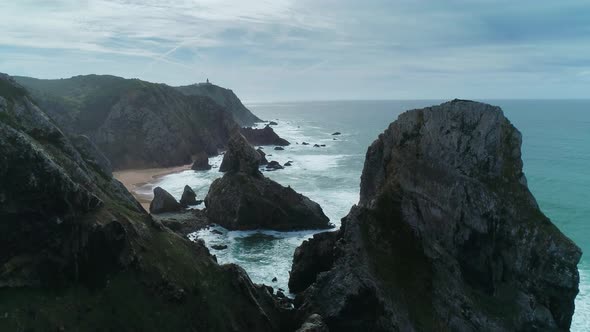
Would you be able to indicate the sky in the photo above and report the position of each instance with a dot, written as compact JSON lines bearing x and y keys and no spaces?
{"x":287,"y":50}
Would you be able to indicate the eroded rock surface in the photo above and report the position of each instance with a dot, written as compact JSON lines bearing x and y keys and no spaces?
{"x":446,"y":235}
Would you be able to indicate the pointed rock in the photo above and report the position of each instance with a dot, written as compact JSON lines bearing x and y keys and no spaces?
{"x":163,"y":202}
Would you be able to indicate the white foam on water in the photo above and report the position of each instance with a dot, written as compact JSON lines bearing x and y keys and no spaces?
{"x":264,"y":254}
{"x":581,"y":319}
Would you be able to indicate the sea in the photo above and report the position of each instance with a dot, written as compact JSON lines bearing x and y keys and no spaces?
{"x":556,"y":154}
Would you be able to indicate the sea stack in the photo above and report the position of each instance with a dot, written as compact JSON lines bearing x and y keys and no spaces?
{"x":164,"y":202}
{"x":244,"y":199}
{"x":446,"y":235}
{"x":264,"y":136}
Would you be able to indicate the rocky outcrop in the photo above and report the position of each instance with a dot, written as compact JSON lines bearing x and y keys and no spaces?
{"x":244,"y":199}
{"x":310,"y":258}
{"x":446,"y":235}
{"x":263,"y":160}
{"x":240,"y":156}
{"x":136,"y":124}
{"x":264,"y":136}
{"x":164,"y":202}
{"x":313,"y":323}
{"x":224,"y":97}
{"x":78,"y":253}
{"x":201,"y":162}
{"x":189,"y":197}
{"x":273,"y":165}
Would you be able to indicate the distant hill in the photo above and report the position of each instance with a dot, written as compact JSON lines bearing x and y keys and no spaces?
{"x":224,"y":97}
{"x":135,"y":123}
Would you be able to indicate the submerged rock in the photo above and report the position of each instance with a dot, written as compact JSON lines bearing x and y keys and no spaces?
{"x":279,"y":148}
{"x":201,"y":163}
{"x":264,"y":136}
{"x":164,"y":202}
{"x":244,"y":199}
{"x":446,"y":235}
{"x":219,"y":246}
{"x":272,"y":123}
{"x":336,"y":133}
{"x":189,"y":197}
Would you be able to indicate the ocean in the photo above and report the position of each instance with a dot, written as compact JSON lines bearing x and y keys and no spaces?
{"x":556,"y":154}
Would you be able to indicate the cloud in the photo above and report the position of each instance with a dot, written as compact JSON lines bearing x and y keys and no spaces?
{"x":287,"y":49}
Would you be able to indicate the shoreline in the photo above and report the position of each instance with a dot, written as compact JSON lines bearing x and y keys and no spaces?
{"x":132,"y":179}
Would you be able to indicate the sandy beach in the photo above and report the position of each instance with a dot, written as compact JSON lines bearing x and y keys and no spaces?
{"x":135,"y":178}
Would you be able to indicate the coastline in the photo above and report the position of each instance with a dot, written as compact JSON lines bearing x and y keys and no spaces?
{"x":132,"y":179}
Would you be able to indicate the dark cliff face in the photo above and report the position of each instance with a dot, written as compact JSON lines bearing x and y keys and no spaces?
{"x":446,"y":235}
{"x":135,"y":123}
{"x":224,"y":97}
{"x":77,"y":252}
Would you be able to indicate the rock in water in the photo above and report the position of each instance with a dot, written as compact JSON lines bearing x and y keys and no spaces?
{"x":240,"y":156}
{"x":189,"y":197}
{"x":263,"y":160}
{"x":265,"y":136}
{"x":164,"y":202}
{"x":244,"y":199}
{"x":273,"y":165}
{"x":446,"y":236}
{"x":201,"y":163}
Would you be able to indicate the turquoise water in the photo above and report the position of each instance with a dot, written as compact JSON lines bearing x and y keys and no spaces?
{"x":556,"y":153}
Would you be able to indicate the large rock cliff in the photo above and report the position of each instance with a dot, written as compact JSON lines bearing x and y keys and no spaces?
{"x":135,"y":123}
{"x":224,"y":97}
{"x":446,"y":235}
{"x":78,"y":253}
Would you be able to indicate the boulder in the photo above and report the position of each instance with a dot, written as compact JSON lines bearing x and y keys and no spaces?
{"x":219,"y":246}
{"x":336,"y":133}
{"x":201,"y":162}
{"x":279,"y":148}
{"x":189,"y":197}
{"x":264,"y":136}
{"x":164,"y":202}
{"x":304,"y":143}
{"x":272,"y":123}
{"x":289,"y":163}
{"x":446,"y":235}
{"x":240,"y":156}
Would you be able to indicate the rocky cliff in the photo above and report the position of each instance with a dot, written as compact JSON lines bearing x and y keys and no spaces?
{"x":224,"y":97}
{"x":446,"y":235}
{"x":135,"y":123}
{"x":78,"y":253}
